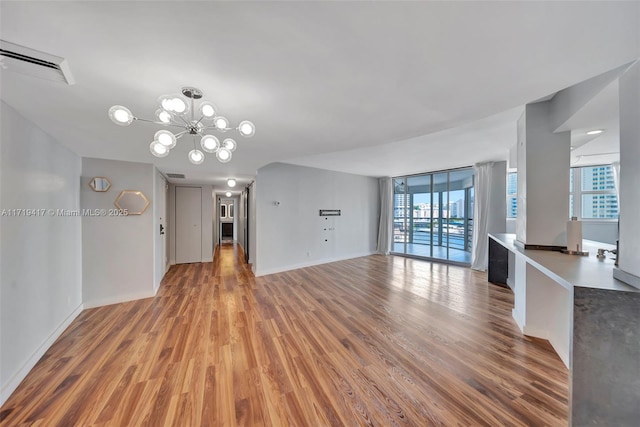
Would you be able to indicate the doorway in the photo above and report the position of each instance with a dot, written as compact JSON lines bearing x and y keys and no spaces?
{"x":227,"y":216}
{"x":188,"y":225}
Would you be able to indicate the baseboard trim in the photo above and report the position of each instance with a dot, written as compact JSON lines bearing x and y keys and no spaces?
{"x":628,"y":278}
{"x":119,"y":299}
{"x":310,"y":264}
{"x":518,"y":319}
{"x":14,"y":382}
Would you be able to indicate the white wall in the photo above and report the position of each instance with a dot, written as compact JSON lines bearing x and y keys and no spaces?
{"x":216,"y":220}
{"x":253,"y":188}
{"x":629,"y":257}
{"x":600,"y":231}
{"x":40,"y":256}
{"x":207,"y":222}
{"x":117,"y":251}
{"x":543,"y":179}
{"x":292,"y":234}
{"x":160,"y":248}
{"x":242,"y":217}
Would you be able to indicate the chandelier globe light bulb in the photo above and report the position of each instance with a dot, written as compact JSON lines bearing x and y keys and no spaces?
{"x":223,"y":155}
{"x":229,"y":144}
{"x":246,"y":128}
{"x":210,"y":143}
{"x":221,"y":123}
{"x":120,"y":115}
{"x":207,"y":110}
{"x":196,"y":157}
{"x":158,"y":150}
{"x":166,"y":138}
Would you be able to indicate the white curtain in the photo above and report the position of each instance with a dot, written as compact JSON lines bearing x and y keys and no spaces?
{"x":615,"y":166}
{"x":480,"y":251}
{"x":386,"y":213}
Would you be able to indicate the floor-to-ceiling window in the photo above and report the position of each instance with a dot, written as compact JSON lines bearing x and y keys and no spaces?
{"x":433,"y":215}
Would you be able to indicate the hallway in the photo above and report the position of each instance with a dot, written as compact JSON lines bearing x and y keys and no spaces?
{"x":379,"y":340}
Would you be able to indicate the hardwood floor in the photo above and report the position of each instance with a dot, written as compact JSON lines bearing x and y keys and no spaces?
{"x":369,"y":341}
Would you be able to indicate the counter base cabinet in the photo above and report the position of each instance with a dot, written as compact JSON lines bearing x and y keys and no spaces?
{"x":498,"y":268}
{"x":605,"y":374}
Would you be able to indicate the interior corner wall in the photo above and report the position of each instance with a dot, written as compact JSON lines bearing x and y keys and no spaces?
{"x":290,"y":232}
{"x":117,"y":251}
{"x":497,"y":222}
{"x":208,"y":202}
{"x":207,"y":223}
{"x":253,"y":188}
{"x":40,"y":250}
{"x":216,"y":220}
{"x":242,"y":219}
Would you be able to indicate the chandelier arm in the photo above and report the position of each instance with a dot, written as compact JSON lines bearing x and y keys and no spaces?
{"x":181,"y":134}
{"x":159,"y":123}
{"x":198,"y":122}
{"x":185,"y":121}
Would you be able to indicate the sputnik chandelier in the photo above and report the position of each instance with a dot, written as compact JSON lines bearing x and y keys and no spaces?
{"x":179,"y":111}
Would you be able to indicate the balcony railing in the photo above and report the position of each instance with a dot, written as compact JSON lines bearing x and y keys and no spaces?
{"x":425,"y":230}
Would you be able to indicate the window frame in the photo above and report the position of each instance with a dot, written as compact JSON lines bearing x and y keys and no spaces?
{"x":575,"y":194}
{"x":578,"y":192}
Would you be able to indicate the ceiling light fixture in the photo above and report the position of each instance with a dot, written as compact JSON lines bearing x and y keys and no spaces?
{"x":231,"y":182}
{"x":228,"y":193}
{"x":595,"y":132}
{"x":179,"y":111}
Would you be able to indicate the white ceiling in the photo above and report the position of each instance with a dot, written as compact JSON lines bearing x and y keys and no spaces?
{"x":374,"y":88}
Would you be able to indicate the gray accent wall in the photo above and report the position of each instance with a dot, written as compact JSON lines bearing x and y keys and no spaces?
{"x":291,"y":234}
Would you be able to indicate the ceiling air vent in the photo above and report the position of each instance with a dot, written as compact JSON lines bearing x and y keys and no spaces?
{"x":175,"y":175}
{"x":22,"y":60}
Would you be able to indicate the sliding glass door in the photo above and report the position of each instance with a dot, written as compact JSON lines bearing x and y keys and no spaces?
{"x":433,"y":215}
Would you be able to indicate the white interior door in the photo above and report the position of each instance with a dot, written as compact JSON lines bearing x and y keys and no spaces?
{"x":188,"y":225}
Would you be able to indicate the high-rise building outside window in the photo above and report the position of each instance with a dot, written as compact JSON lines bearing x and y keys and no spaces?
{"x":592,"y":193}
{"x":512,"y":194}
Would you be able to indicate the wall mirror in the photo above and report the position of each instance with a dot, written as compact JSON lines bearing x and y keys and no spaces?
{"x":231,"y":210}
{"x":223,"y":211}
{"x":134,"y":202}
{"x":100,"y":184}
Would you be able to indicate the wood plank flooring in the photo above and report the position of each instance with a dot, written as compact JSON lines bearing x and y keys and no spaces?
{"x":373,"y":341}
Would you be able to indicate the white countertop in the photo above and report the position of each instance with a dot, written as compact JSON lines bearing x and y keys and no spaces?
{"x":571,"y":270}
